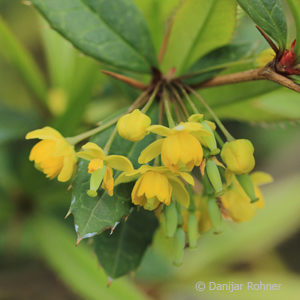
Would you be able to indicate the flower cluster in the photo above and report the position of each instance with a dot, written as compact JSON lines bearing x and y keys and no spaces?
{"x":188,"y":175}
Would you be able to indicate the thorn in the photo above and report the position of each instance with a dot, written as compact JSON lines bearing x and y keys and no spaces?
{"x":126,"y":218}
{"x":68,"y":214}
{"x":70,"y":187}
{"x":109,"y":281}
{"x":79,"y":239}
{"x":130,"y":81}
{"x":114,"y":227}
{"x":269,"y":41}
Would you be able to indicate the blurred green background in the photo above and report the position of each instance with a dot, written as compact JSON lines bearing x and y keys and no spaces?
{"x":52,"y":83}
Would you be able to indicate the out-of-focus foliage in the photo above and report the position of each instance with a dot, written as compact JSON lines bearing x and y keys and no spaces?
{"x":43,"y":79}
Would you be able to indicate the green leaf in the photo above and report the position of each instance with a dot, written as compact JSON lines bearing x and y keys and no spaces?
{"x":199,"y":26}
{"x":268,"y":15}
{"x":122,"y":250}
{"x":15,"y":124}
{"x":295,"y":8}
{"x":279,"y":105}
{"x":93,"y":215}
{"x":157,"y":14}
{"x":13,"y":50}
{"x":216,"y":61}
{"x":77,"y":267}
{"x":114,"y":32}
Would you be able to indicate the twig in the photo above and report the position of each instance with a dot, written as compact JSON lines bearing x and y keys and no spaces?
{"x":265,"y":73}
{"x":231,"y":78}
{"x":269,"y":74}
{"x":130,"y":81}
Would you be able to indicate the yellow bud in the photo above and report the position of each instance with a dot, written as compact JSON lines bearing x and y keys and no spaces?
{"x":238,"y":156}
{"x":265,"y":57}
{"x":133,"y":126}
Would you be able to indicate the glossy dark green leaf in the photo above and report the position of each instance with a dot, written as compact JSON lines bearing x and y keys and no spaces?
{"x":122,"y":250}
{"x":93,"y":215}
{"x":216,"y":61}
{"x":269,"y":15}
{"x":114,"y":32}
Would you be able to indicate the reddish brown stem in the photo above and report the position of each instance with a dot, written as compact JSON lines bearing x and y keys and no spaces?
{"x":130,"y":81}
{"x":250,"y":75}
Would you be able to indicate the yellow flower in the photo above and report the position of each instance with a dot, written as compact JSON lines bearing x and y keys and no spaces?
{"x":238,"y":156}
{"x":101,"y":166}
{"x":265,"y":57}
{"x":180,"y":149}
{"x":157,"y":185}
{"x":133,"y":126}
{"x":54,"y":156}
{"x":238,"y":204}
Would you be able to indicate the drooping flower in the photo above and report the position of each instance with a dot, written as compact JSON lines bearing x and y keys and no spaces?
{"x":236,"y":202}
{"x":238,"y":156}
{"x":133,"y":126}
{"x":100,"y":167}
{"x":157,"y":185}
{"x":54,"y":155}
{"x":180,"y":148}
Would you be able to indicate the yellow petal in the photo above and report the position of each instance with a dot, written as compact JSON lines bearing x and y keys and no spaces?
{"x":67,"y":170}
{"x":260,"y":178}
{"x":187,"y":177}
{"x":160,"y":130}
{"x":119,"y":162}
{"x":193,"y":127}
{"x":44,"y":133}
{"x":180,"y":193}
{"x":196,"y":118}
{"x":127,"y":177}
{"x":150,"y":152}
{"x":108,"y":181}
{"x":93,"y":150}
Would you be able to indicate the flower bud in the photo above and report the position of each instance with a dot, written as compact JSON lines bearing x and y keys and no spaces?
{"x":248,"y":187}
{"x":238,"y":156}
{"x":179,"y":244}
{"x":214,"y":214}
{"x":171,"y":219}
{"x":210,"y":141}
{"x":192,"y":231}
{"x":214,"y":176}
{"x":133,"y":126}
